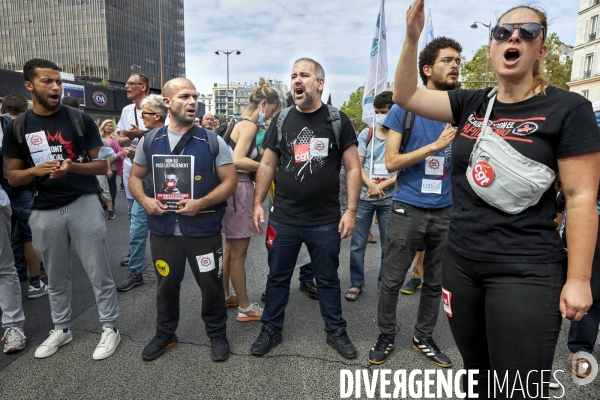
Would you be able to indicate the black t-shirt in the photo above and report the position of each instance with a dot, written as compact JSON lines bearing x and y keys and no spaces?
{"x":308,"y":181}
{"x":544,"y":128}
{"x":64,"y":143}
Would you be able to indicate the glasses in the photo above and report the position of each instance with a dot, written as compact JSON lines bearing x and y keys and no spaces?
{"x":527,"y":31}
{"x":147,"y":113}
{"x":133,"y":83}
{"x":449,"y":61}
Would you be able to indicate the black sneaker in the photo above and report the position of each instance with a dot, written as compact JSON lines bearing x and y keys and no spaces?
{"x":220,"y":348}
{"x":125,"y":261}
{"x":158,"y":345}
{"x":111,"y":215}
{"x":340,"y":341}
{"x":382,"y":349}
{"x":310,"y":289}
{"x":267,"y":339}
{"x":411,"y":285}
{"x":132,"y":280}
{"x":428,"y":347}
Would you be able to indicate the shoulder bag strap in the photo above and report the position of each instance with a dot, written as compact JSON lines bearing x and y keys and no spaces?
{"x":184,"y":140}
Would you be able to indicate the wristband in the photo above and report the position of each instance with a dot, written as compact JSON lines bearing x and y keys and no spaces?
{"x":349,"y":209}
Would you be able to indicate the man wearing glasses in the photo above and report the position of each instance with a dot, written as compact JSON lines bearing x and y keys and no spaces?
{"x":421,"y":200}
{"x":131,"y":128}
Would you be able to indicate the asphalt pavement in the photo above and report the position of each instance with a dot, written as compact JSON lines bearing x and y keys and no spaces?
{"x":303,"y":366}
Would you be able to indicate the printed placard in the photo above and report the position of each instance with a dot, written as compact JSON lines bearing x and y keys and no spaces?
{"x":206,"y":262}
{"x":431,"y":186}
{"x":380,"y":170}
{"x":319,"y":147}
{"x":41,"y":157}
{"x":434,"y":166}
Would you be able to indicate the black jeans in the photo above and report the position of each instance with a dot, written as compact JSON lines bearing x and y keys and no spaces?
{"x":583,"y":334}
{"x":406,"y":232}
{"x":169,"y":254}
{"x":112,"y":186}
{"x":505,"y":318}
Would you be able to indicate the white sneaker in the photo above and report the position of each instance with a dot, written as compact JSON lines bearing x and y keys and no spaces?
{"x":108,"y":343}
{"x":50,"y":346}
{"x":14,"y":340}
{"x":34,"y":293}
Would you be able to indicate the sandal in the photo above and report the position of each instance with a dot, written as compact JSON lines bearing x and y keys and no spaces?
{"x":353,"y":294}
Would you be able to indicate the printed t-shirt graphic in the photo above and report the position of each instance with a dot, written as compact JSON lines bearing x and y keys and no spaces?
{"x":309,"y":154}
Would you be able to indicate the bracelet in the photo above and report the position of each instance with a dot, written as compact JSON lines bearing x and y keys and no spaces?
{"x":349,"y":209}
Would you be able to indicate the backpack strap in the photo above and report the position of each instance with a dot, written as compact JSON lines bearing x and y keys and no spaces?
{"x":213,"y":146}
{"x":334,"y":117}
{"x":280,"y":121}
{"x":18,"y":131}
{"x":369,"y":136}
{"x":149,"y":139}
{"x":409,"y":119}
{"x":76,"y":118}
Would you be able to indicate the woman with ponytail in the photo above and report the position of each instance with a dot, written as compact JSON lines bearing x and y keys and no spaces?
{"x":237,"y":222}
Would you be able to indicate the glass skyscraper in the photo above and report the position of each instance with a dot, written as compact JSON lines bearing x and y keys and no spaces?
{"x":107,"y":39}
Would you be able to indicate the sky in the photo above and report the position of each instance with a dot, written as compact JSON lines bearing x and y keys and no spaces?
{"x":272,"y":34}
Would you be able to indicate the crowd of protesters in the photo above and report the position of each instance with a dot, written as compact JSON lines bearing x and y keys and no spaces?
{"x":440,"y":209}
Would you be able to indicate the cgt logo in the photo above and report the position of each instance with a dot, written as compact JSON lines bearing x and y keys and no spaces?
{"x":99,"y":99}
{"x":483,"y":174}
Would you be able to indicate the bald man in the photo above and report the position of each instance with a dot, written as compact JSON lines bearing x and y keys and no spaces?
{"x":193,"y":231}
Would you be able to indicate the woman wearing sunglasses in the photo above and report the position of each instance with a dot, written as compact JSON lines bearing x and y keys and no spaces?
{"x":505,"y":277}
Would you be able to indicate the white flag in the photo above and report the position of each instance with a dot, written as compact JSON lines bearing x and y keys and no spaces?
{"x":428,"y":35}
{"x":378,"y":68}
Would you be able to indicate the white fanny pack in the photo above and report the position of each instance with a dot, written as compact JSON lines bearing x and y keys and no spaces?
{"x":503,"y":177}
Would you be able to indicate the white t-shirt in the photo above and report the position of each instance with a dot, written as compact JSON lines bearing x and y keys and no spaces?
{"x":127,"y":118}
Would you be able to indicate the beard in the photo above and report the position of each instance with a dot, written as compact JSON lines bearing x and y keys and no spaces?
{"x":441,"y":84}
{"x":44,"y":103}
{"x":182,"y":118}
{"x":309,"y":97}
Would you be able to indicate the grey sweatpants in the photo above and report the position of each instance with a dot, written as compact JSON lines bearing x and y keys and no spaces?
{"x":10,"y":287}
{"x":81,"y":222}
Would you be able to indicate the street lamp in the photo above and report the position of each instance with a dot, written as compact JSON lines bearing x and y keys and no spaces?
{"x":228,"y":52}
{"x":487,"y":60}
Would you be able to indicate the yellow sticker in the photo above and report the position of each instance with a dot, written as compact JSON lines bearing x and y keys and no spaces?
{"x":162,"y":267}
{"x":197,"y":177}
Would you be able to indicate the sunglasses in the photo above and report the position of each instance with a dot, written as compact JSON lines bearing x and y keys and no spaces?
{"x":527,"y":30}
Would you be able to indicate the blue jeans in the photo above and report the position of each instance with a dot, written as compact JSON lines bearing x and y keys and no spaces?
{"x":138,"y":232}
{"x":283,"y":244}
{"x":358,"y":244}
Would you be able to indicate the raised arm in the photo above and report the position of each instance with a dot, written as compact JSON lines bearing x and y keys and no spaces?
{"x":430,"y":104}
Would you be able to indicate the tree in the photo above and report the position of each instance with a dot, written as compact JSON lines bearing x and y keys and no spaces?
{"x":353,"y":108}
{"x":557,"y":73}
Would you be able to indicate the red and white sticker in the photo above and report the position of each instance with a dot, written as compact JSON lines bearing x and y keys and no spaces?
{"x":447,"y":297}
{"x":483,"y":174}
{"x":301,"y":153}
{"x":206,"y":262}
{"x":270,"y":236}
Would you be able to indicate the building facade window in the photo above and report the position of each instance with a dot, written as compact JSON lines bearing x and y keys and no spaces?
{"x":587,"y":67}
{"x":585,"y":93}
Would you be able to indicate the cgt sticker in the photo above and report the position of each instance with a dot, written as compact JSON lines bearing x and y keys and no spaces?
{"x":483,"y":174}
{"x":162,"y":267}
{"x":270,"y":236}
{"x":447,"y":297}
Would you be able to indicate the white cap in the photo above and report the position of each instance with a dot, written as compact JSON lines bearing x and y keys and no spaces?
{"x":596,"y":106}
